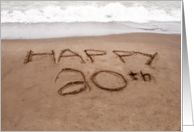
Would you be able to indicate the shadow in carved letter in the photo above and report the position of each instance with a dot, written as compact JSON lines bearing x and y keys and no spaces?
{"x":146,"y":76}
{"x":84,"y":83}
{"x":122,"y":54}
{"x":118,"y":75}
{"x":73,"y":55}
{"x":133,"y":75}
{"x":30,"y":54}
{"x":94,"y":53}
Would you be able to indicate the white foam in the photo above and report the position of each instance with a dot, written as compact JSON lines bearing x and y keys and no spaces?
{"x":91,"y":13}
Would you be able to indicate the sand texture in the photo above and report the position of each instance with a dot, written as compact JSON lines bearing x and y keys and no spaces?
{"x":127,"y":82}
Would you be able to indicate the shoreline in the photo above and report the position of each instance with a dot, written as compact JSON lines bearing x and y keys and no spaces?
{"x":59,"y":30}
{"x":74,"y":37}
{"x":129,"y":82}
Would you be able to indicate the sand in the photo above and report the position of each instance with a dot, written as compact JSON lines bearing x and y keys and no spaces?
{"x":126,"y":82}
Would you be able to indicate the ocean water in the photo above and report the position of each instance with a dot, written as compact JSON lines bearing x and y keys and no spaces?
{"x":52,"y":19}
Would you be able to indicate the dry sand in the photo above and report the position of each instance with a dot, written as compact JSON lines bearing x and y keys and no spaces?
{"x":31,"y":99}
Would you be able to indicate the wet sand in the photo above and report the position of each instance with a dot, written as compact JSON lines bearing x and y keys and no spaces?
{"x":127,"y":82}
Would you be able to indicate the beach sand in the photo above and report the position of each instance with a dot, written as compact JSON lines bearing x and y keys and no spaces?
{"x":110,"y":91}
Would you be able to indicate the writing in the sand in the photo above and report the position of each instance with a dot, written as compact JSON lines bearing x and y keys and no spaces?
{"x":118,"y":85}
{"x":119,"y":77}
{"x":90,"y":53}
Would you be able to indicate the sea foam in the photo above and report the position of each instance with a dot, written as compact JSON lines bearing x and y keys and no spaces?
{"x":117,"y":11}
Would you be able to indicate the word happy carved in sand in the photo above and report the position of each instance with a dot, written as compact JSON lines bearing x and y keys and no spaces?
{"x":90,"y":53}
